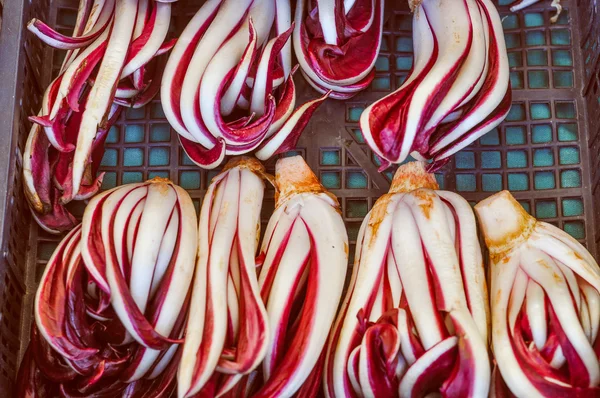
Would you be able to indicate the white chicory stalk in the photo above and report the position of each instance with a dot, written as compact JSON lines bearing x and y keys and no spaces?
{"x":458,"y":88}
{"x":113,"y":298}
{"x":337,"y":43}
{"x":545,"y":304}
{"x":105,"y":68}
{"x":227,"y":88}
{"x":227,"y":331}
{"x":305,"y":256}
{"x":415,"y":318}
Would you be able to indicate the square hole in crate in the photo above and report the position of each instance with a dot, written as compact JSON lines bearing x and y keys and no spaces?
{"x":560,"y":37}
{"x":381,"y":83}
{"x":543,"y":157}
{"x":491,"y":182}
{"x":159,"y":156}
{"x":404,"y":44}
{"x":491,"y":160}
{"x":515,"y":135}
{"x":113,"y":135}
{"x":518,"y":182}
{"x":160,"y":132}
{"x":110,"y":157}
{"x":541,"y":133}
{"x":515,"y":59}
{"x":565,"y":110}
{"x":533,"y":19}
{"x":510,"y":22}
{"x":567,"y":132}
{"x":546,"y":209}
{"x":544,"y":180}
{"x":134,"y":133}
{"x":129,"y":177}
{"x":568,"y":155}
{"x":466,"y":183}
{"x":356,"y":180}
{"x":537,"y":58}
{"x":189,"y":179}
{"x":382,"y":64}
{"x":440,"y":180}
{"x":570,"y":179}
{"x":572,"y":207}
{"x":330,"y":157}
{"x":404,"y":62}
{"x":356,"y":208}
{"x":134,"y":114}
{"x":358,"y":136}
{"x":540,"y":110}
{"x":575,"y":228}
{"x":156,"y":111}
{"x":562,"y":58}
{"x":354,"y":113}
{"x":562,"y":78}
{"x":516,"y":80}
{"x":516,"y":113}
{"x":535,"y":38}
{"x":491,"y":138}
{"x":133,"y":157}
{"x":538,"y":79}
{"x":464,"y":160}
{"x":109,"y":180}
{"x":513,"y":40}
{"x":331,"y":179}
{"x":516,"y":159}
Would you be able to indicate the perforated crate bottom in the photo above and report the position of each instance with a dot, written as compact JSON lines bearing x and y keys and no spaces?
{"x":540,"y":152}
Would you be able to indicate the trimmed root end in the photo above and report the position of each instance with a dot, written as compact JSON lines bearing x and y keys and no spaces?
{"x":247,"y":162}
{"x":158,"y":180}
{"x":414,"y":4}
{"x":412,"y":176}
{"x":35,"y":202}
{"x":250,"y":163}
{"x":294,"y":176}
{"x":504,"y":222}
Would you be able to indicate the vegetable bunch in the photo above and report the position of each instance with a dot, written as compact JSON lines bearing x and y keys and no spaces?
{"x":111,"y":306}
{"x":337,"y":43}
{"x":545,"y":300}
{"x":105,"y":66}
{"x":415,"y":318}
{"x":227,"y":88}
{"x":458,"y":88}
{"x":227,"y":331}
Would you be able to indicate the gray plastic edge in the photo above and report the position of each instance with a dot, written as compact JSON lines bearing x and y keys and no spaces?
{"x":11,"y":76}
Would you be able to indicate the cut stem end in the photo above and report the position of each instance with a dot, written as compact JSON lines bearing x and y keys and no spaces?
{"x":412,"y":176}
{"x":504,"y":222}
{"x":294,"y":176}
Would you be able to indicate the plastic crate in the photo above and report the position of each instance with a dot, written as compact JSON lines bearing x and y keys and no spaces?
{"x":546,"y":152}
